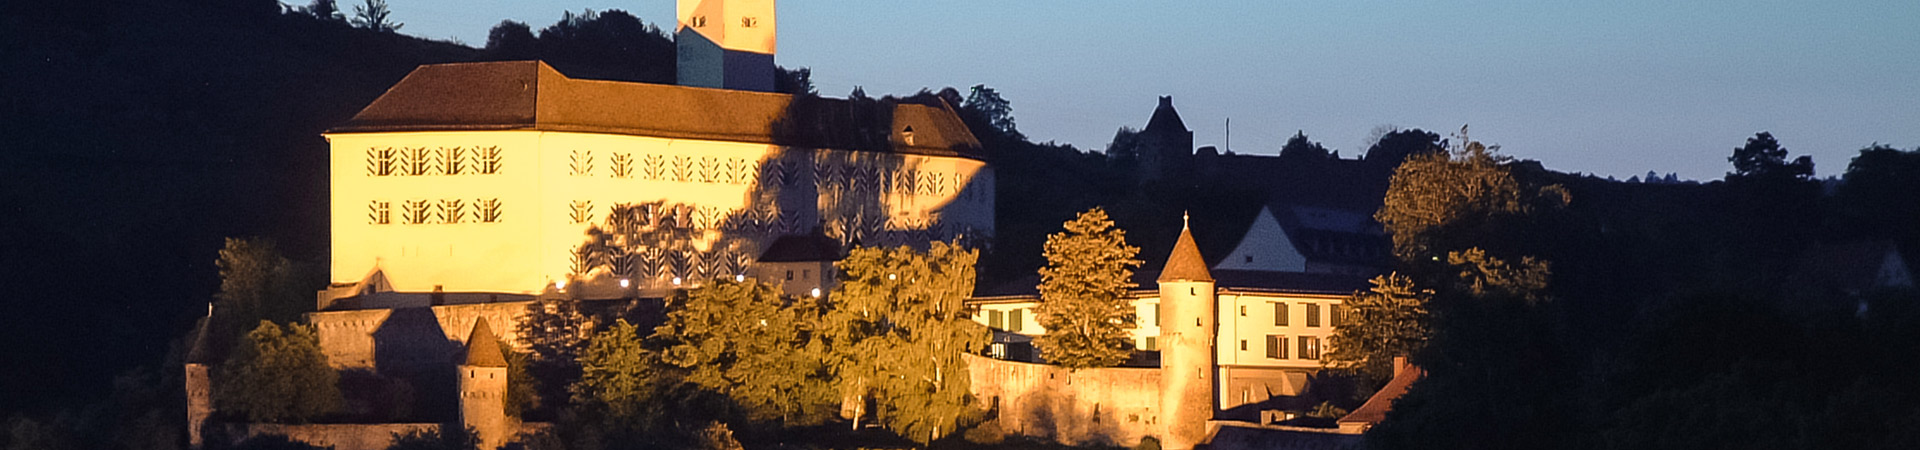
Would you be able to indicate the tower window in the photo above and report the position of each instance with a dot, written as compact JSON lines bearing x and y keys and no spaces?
{"x":789,"y":275}
{"x":698,"y":21}
{"x":1243,"y":345}
{"x":749,"y":22}
{"x":1243,"y":310}
{"x":1249,"y":258}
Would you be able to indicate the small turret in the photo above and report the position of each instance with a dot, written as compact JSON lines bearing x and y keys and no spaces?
{"x":199,"y":388}
{"x":483,"y":388}
{"x":1186,"y":349}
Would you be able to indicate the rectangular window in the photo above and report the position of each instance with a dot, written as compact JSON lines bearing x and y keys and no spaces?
{"x":1279,"y":314}
{"x":1313,"y":314}
{"x":1153,"y":343}
{"x":1243,"y":345}
{"x":996,"y":319}
{"x":1015,"y":319}
{"x":1243,"y":310}
{"x":1156,"y":313}
{"x":1276,"y":346}
{"x":1336,"y":315}
{"x":1309,"y":347}
{"x":789,"y":275}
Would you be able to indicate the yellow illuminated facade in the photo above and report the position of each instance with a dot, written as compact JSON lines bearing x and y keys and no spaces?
{"x":436,"y":198}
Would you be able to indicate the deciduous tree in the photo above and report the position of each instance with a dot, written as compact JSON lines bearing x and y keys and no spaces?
{"x":897,"y":329}
{"x":1388,"y":320}
{"x":373,"y":15}
{"x":1083,"y":289}
{"x":278,"y":375}
{"x":743,"y":341}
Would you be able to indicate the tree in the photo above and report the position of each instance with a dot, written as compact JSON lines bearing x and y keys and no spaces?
{"x":742,"y":340}
{"x":619,"y":378}
{"x":512,"y":40}
{"x":443,"y":438}
{"x":257,"y":283}
{"x":897,"y":328}
{"x":1442,"y":202}
{"x":373,"y":14}
{"x":610,"y":45}
{"x":1389,"y":320}
{"x":1764,"y":158}
{"x":793,"y":81}
{"x":325,"y":10}
{"x":1300,"y":148}
{"x":1395,"y":146}
{"x":1083,"y":292}
{"x":991,"y":110}
{"x":278,"y":375}
{"x":556,"y":333}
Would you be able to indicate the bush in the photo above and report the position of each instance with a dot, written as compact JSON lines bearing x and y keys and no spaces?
{"x":1147,"y":443}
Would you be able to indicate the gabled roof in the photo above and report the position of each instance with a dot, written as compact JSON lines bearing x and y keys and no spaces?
{"x":483,"y":349}
{"x":813,"y":246}
{"x":530,"y":95}
{"x":1185,"y":264}
{"x":1165,"y":118}
{"x":1335,"y":234}
{"x":1376,"y":407}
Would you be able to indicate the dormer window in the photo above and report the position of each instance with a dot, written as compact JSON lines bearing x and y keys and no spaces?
{"x":749,"y":22}
{"x":906,"y":135}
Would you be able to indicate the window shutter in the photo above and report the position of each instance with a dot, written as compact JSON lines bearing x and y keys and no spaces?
{"x":1279,"y":314}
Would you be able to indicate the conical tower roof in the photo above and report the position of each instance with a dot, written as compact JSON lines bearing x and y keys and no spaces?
{"x":1185,"y":264}
{"x":198,"y":350}
{"x":483,"y":350}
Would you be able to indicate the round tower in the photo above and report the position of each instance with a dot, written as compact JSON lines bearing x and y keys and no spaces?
{"x":198,"y":387}
{"x":1186,"y":345}
{"x":483,"y":388}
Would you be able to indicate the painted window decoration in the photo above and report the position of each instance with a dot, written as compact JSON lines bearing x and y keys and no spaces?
{"x":486,"y":210}
{"x":487,"y":160}
{"x":381,"y":161}
{"x":580,"y":211}
{"x":580,"y":163}
{"x":419,"y":161}
{"x":621,"y":165}
{"x":379,"y":212}
{"x":416,"y":211}
{"x":452,"y":210}
{"x":442,"y":211}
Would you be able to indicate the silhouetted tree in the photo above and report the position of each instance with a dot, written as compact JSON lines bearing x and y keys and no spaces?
{"x":512,"y":40}
{"x":374,"y":15}
{"x":325,"y":10}
{"x":1764,"y":158}
{"x":1083,"y":291}
{"x":991,"y":110}
{"x":793,"y":81}
{"x":1300,"y":148}
{"x":610,"y":45}
{"x":1395,"y":146}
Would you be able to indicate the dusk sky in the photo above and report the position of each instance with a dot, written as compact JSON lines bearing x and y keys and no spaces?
{"x":1614,"y":88}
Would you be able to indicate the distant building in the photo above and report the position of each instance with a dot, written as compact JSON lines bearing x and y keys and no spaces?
{"x":1261,"y":330}
{"x":1163,"y":150}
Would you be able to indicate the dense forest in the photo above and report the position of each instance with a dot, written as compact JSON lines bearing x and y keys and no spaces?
{"x":142,"y":134}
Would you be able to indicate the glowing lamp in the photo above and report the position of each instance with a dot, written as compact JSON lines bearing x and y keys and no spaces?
{"x":815,"y":293}
{"x":676,"y":281}
{"x":625,"y":283}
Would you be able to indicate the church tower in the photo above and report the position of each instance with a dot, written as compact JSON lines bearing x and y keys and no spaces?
{"x":483,"y":388}
{"x":1186,"y":345}
{"x":726,"y":44}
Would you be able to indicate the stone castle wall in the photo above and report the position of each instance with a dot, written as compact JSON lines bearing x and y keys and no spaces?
{"x":1112,"y":406}
{"x":371,"y":436}
{"x":409,"y":339}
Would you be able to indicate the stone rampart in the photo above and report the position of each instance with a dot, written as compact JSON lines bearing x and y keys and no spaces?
{"x":1112,"y":406}
{"x":364,"y":436}
{"x":408,"y":339}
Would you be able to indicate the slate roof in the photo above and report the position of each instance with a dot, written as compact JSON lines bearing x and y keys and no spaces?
{"x":1165,"y":118}
{"x":1185,"y":264}
{"x":530,"y":95}
{"x":1338,"y":235}
{"x":483,"y":349}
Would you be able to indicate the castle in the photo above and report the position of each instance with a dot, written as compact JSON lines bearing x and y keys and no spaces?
{"x":467,"y":191}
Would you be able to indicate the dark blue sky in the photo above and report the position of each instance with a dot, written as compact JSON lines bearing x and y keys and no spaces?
{"x":1610,"y":87}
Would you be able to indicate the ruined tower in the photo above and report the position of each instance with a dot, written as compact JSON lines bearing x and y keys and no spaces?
{"x":726,"y":44}
{"x":483,"y":388}
{"x":1186,"y":346}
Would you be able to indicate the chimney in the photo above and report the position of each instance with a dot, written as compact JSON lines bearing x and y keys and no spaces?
{"x":1166,"y":101}
{"x":1399,"y":365}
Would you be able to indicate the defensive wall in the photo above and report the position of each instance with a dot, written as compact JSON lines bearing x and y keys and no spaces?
{"x":409,"y":339}
{"x":371,"y":436}
{"x":1111,"y":406}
